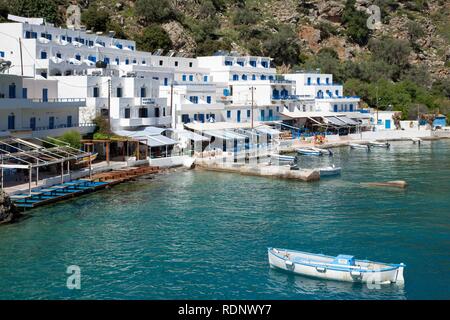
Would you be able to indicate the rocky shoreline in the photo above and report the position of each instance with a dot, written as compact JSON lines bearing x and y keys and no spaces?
{"x":8,"y":211}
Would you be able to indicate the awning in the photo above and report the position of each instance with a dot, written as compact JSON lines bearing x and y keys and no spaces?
{"x":191,"y":135}
{"x":224,"y":135}
{"x":159,"y":141}
{"x":335,"y":121}
{"x":348,"y":121}
{"x":268,"y":130}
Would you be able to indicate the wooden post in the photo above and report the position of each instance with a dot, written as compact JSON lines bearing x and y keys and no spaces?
{"x":29,"y":180}
{"x":68,"y":170}
{"x":62,"y":172}
{"x":107,"y":152}
{"x":1,"y":185}
{"x":138,"y":156}
{"x":37,"y":174}
{"x":90,"y":167}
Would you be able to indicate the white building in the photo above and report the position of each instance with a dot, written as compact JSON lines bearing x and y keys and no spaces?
{"x":247,"y":81}
{"x":328,"y":96}
{"x":31,"y":107}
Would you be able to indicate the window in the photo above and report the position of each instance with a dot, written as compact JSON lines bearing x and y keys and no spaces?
{"x":226,"y":92}
{"x":117,"y":61}
{"x":205,"y":78}
{"x":208,"y":99}
{"x":69,"y":121}
{"x":78,"y":57}
{"x":127,"y":61}
{"x":92,"y":58}
{"x":2,"y":54}
{"x":265,"y":64}
{"x":176,"y":63}
{"x":308,"y":82}
{"x":119,"y":45}
{"x":119,"y":92}
{"x":351,"y":107}
{"x":143,"y":62}
{"x":270,"y":77}
{"x":143,"y":92}
{"x":183,"y":77}
{"x":244,"y":77}
{"x":318,"y":80}
{"x":190,"y":64}
{"x":143,"y":113}
{"x":157,"y":112}
{"x":253,"y":77}
{"x":166,"y":81}
{"x":248,"y":113}
{"x":127,"y":114}
{"x":106,"y":60}
{"x":27,"y":34}
{"x":335,"y":108}
{"x":235,"y":77}
{"x":193,"y":99}
{"x":263,"y":77}
{"x":327,"y":80}
{"x":12,"y":91}
{"x":241,"y":63}
{"x":91,"y":43}
{"x":24,"y":93}
{"x":96,"y":92}
{"x":253,"y":63}
{"x":191,"y":77}
{"x":134,"y":61}
{"x":33,"y":123}
{"x":337,"y":93}
{"x":43,"y":55}
{"x":185,"y":118}
{"x":164,"y":112}
{"x":228,"y":114}
{"x":69,"y":39}
{"x":228,"y":62}
{"x":161,"y":62}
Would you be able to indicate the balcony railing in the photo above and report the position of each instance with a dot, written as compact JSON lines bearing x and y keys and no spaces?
{"x":288,"y":97}
{"x":59,"y":100}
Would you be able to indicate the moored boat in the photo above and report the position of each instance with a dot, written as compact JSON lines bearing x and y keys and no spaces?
{"x":380,"y":144}
{"x":87,"y":159}
{"x":359,"y":146}
{"x":282,"y":158}
{"x":307,"y":151}
{"x":330,"y":171}
{"x":340,"y":268}
{"x":323,"y":151}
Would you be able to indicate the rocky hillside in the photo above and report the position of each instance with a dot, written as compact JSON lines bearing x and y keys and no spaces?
{"x":410,"y":44}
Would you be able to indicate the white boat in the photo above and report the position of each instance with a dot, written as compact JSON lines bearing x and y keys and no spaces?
{"x":323,"y":151}
{"x":380,"y":144}
{"x":341,"y":268}
{"x":330,"y":171}
{"x":308,"y":151}
{"x":359,"y":146}
{"x":282,"y":158}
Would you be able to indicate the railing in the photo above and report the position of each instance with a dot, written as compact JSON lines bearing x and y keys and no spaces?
{"x":62,"y":126}
{"x":289,"y":97}
{"x":56,"y":100}
{"x":279,"y":81}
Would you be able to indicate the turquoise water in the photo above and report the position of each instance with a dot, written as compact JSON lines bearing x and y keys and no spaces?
{"x":203,"y":235}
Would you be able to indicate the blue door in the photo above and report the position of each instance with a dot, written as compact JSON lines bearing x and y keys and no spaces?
{"x":201,"y":117}
{"x":51,"y":122}
{"x":239,"y":116}
{"x":387,"y":124}
{"x":12,"y":91}
{"x":271,"y":115}
{"x":11,"y":122}
{"x":69,"y":121}
{"x":33,"y":123}
{"x":261,"y":115}
{"x":44,"y":95}
{"x":185,"y":118}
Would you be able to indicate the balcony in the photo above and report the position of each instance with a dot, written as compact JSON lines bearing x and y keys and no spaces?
{"x":136,"y":122}
{"x":285,"y":98}
{"x":41,"y":103}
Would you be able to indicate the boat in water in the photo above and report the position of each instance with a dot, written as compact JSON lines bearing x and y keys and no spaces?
{"x":282,"y":158}
{"x":375,"y":144}
{"x":340,"y":268}
{"x":309,"y":151}
{"x":359,"y":146}
{"x":330,"y":171}
{"x":87,"y":159}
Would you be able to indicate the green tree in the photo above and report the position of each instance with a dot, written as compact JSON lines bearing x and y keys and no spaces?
{"x":95,"y":19}
{"x":355,"y":23}
{"x":72,"y":137}
{"x":47,"y":9}
{"x":283,"y":47}
{"x":153,"y":37}
{"x":4,"y":11}
{"x":154,"y":10}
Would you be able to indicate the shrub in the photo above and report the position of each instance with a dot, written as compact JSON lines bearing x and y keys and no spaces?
{"x":95,"y":19}
{"x":355,"y":23}
{"x":46,"y":9}
{"x":154,"y":10}
{"x":283,"y":47}
{"x":72,"y":137}
{"x":153,"y":37}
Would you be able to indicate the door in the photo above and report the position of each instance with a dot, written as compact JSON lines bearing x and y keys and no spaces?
{"x":387,"y":124}
{"x":239,"y":116}
{"x":271,"y":115}
{"x":69,"y":121}
{"x":157,"y":112}
{"x":51,"y":122}
{"x":33,"y":123}
{"x":201,"y":117}
{"x":11,"y":122}
{"x":44,"y":95}
{"x":261,"y":115}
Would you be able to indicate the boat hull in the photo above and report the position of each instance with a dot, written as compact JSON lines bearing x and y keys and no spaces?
{"x":309,"y":152}
{"x":329,"y":172}
{"x":393,"y":275}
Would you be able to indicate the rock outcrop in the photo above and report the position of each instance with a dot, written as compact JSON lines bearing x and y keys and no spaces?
{"x":8,"y":211}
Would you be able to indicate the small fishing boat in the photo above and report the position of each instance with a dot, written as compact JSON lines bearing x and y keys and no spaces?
{"x":380,"y":144}
{"x":323,"y":151}
{"x":330,"y":171}
{"x":341,"y":268}
{"x":359,"y":146}
{"x":308,"y":151}
{"x":282,"y":158}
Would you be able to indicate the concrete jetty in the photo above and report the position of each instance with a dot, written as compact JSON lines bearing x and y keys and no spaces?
{"x":263,"y":170}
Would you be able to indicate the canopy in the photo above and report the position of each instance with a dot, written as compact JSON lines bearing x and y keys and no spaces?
{"x":151,"y":135}
{"x":191,"y":135}
{"x":267,"y":130}
{"x":159,"y":141}
{"x":225,"y":135}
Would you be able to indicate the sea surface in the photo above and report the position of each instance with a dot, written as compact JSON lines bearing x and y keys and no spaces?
{"x":204,"y":235}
